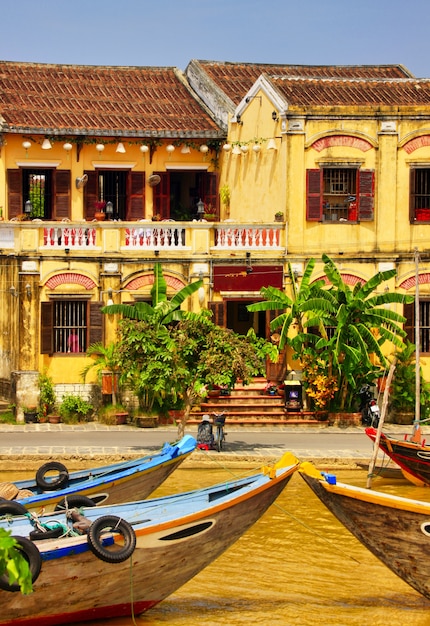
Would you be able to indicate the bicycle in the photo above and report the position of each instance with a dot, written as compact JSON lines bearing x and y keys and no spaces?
{"x":219,"y":421}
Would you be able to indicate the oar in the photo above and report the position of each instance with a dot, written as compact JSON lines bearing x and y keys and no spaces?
{"x":381,"y":423}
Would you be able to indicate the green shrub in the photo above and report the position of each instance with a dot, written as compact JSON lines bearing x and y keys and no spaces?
{"x":74,"y":409}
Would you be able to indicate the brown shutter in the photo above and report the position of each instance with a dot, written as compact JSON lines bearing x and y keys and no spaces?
{"x":46,"y":328}
{"x":219,"y":313}
{"x":14,"y":184}
{"x":136,"y":196}
{"x":412,"y":173}
{"x":366,"y":194}
{"x":95,"y":333}
{"x":314,"y":195}
{"x":161,"y":196}
{"x":409,"y":325}
{"x":61,"y":194}
{"x":90,"y":195}
{"x":208,"y":189}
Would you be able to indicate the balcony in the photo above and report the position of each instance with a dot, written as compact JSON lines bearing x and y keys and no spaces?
{"x":46,"y":238}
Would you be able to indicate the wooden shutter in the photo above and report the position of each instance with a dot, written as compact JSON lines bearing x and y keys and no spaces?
{"x":61,"y":194}
{"x":136,"y":196}
{"x":14,"y":185}
{"x":409,"y":325}
{"x":90,"y":195}
{"x":161,"y":196}
{"x":412,"y":178}
{"x":95,"y":326}
{"x":314,"y":195}
{"x":47,"y":328}
{"x":207,"y":184}
{"x":366,"y":195}
{"x":219,"y":313}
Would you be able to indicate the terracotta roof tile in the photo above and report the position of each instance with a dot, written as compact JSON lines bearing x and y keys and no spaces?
{"x":235,"y":79}
{"x":95,"y":100}
{"x":355,"y":92}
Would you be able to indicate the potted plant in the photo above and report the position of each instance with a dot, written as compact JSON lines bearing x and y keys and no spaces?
{"x":74,"y":409}
{"x":271,"y":388}
{"x":279,"y":216}
{"x":47,"y":397}
{"x":106,"y":364}
{"x":30,"y":414}
{"x":112,"y":415}
{"x":100,"y":214}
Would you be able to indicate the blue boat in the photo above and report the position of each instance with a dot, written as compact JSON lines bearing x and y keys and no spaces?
{"x":54,"y":487}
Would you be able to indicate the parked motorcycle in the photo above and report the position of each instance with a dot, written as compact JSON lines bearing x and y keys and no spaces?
{"x":369,"y":407}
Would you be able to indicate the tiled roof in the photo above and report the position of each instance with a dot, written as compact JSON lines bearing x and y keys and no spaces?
{"x":95,"y":100}
{"x":355,"y":92}
{"x":235,"y":79}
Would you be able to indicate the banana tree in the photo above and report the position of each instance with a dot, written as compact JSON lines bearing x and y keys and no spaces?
{"x":162,"y":310}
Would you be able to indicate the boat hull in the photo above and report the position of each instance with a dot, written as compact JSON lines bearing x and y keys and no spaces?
{"x":396,"y":530}
{"x":121,"y":482}
{"x":412,"y":457}
{"x":74,"y":585}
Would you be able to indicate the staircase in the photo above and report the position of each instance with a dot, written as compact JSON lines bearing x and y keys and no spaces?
{"x":249,"y":405}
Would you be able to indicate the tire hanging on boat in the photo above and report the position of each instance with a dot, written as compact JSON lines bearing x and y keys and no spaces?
{"x":32,"y":555}
{"x":113,"y":524}
{"x":11,"y":507}
{"x":71,"y":502}
{"x":59,"y":482}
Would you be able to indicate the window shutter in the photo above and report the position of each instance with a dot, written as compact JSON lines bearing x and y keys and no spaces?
{"x":412,"y":173}
{"x":15,"y":203}
{"x":314,"y":195}
{"x":366,"y":194}
{"x":95,"y":334}
{"x":136,"y":196}
{"x":47,"y":328}
{"x":208,"y":189}
{"x":218,"y":313}
{"x":90,"y":195}
{"x":409,"y":325}
{"x":62,"y":194}
{"x":161,"y":196}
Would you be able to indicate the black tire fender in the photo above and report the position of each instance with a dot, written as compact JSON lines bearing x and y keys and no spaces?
{"x":30,"y":552}
{"x":56,"y":483}
{"x":71,"y":502}
{"x":40,"y":535}
{"x":11,"y":507}
{"x":114,"y":553}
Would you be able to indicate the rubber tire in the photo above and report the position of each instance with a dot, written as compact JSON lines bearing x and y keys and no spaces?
{"x":74,"y":502}
{"x":30,"y":552}
{"x":11,"y":507}
{"x":117,"y":525}
{"x":40,"y":535}
{"x":52,"y":485}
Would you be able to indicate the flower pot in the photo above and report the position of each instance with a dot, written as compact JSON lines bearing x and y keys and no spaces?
{"x":54,"y":419}
{"x":100,"y":216}
{"x":121,"y":418}
{"x":30,"y":417}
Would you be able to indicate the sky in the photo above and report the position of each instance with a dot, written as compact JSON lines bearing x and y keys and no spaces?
{"x":172,"y":32}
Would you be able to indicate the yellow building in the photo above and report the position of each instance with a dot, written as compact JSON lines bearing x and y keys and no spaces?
{"x":225,"y":172}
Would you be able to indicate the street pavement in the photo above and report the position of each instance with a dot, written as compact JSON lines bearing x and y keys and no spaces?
{"x":331,"y":444}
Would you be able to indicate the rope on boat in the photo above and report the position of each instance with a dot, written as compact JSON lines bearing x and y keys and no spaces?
{"x":50,"y":525}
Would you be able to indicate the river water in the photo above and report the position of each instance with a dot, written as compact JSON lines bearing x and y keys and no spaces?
{"x":296,"y":567}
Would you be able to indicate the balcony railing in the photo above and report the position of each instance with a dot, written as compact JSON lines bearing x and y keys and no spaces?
{"x":203,"y":237}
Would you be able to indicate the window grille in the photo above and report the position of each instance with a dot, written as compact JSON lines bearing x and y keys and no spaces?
{"x":70,"y":317}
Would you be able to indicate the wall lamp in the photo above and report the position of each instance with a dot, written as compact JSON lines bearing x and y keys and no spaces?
{"x":248,"y":263}
{"x":13,"y":291}
{"x":200,"y":209}
{"x":275,"y":117}
{"x":239,"y":119}
{"x":110,"y":297}
{"x":109,"y":209}
{"x":28,"y":290}
{"x":28,"y":208}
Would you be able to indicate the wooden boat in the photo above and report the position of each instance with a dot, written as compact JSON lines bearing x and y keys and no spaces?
{"x":383,"y":471}
{"x":394,"y":529}
{"x":412,"y":456}
{"x":136,"y":554}
{"x":119,"y":482}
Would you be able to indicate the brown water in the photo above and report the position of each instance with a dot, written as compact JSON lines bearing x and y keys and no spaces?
{"x":296,"y":567}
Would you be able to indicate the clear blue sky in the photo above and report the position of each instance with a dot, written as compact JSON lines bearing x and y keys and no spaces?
{"x":172,"y":32}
